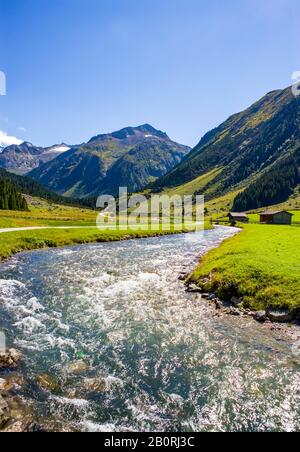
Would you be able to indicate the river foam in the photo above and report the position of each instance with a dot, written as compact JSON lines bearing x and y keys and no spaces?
{"x":144,"y":354}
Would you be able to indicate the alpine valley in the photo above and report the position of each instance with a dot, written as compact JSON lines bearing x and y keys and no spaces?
{"x":132,"y":157}
{"x":250,"y":161}
{"x":122,"y":335}
{"x":128,"y":306}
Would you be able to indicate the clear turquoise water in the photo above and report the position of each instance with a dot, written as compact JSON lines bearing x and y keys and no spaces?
{"x":166,"y":362}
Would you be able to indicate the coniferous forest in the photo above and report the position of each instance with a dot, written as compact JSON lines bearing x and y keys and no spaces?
{"x":10,"y":199}
{"x":272,"y":187}
{"x":25,"y":184}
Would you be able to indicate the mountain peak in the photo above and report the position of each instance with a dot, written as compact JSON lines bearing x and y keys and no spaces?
{"x":130,"y":133}
{"x":27,"y":144}
{"x":132,"y":157}
{"x":148,"y":129}
{"x":21,"y":146}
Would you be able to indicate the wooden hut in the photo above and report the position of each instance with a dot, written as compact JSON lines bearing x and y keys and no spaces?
{"x":238,"y":217}
{"x":276,"y":217}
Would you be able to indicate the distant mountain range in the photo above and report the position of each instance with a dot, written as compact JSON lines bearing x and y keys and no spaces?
{"x":251,"y":160}
{"x":23,"y":158}
{"x":254,"y":155}
{"x":131,"y":157}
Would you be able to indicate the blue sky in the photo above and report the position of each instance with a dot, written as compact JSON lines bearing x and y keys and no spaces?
{"x":75,"y":68}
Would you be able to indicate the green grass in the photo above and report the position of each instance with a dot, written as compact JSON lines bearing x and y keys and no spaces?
{"x":296,"y":217}
{"x":43,"y":213}
{"x":260,"y":265}
{"x":223,"y":203}
{"x":15,"y":242}
{"x":195,"y":185}
{"x":255,"y":218}
{"x":10,"y":222}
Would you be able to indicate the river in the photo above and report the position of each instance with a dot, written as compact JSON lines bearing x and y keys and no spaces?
{"x":130,"y":350}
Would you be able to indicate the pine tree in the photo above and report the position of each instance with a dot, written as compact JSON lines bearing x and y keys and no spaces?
{"x":10,"y":199}
{"x":272,"y":187}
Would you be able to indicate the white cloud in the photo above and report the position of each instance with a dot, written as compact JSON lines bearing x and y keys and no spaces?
{"x":6,"y":140}
{"x":22,"y":129}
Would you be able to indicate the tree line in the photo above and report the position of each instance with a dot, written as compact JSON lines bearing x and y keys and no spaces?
{"x":10,"y":198}
{"x":25,"y":184}
{"x":273,"y":187}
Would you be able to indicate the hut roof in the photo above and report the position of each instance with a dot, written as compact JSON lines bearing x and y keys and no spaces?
{"x":238,"y":214}
{"x":270,"y":213}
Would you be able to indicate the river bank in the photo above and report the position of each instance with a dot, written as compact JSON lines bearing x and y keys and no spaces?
{"x":279,"y":322}
{"x":256,"y":270}
{"x":12,"y":243}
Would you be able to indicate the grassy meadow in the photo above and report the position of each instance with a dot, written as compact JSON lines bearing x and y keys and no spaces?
{"x":19,"y":241}
{"x":49,"y":215}
{"x":254,"y":217}
{"x":44,"y":213}
{"x":261,"y":265}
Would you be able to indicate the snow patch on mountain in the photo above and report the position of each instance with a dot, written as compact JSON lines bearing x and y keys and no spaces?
{"x":58,"y":149}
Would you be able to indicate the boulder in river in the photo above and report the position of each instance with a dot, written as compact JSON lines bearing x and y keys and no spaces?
{"x":280,"y":315}
{"x":260,"y":316}
{"x":4,"y":412}
{"x":193,"y":288}
{"x":15,"y":427}
{"x":13,"y":382}
{"x":46,"y":425}
{"x":236,"y":301}
{"x":78,"y":367}
{"x":219,"y":304}
{"x":2,"y":385}
{"x":9,"y":359}
{"x":234,"y":311}
{"x":98,"y":385}
{"x":47,"y":383}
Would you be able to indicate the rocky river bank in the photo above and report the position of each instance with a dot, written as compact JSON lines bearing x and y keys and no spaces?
{"x":284,"y":322}
{"x":15,"y":415}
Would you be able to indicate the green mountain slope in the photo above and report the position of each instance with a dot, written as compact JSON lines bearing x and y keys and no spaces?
{"x":274,"y":186}
{"x":144,"y":163}
{"x":26,"y":185}
{"x":131,"y":157}
{"x":243,"y":149}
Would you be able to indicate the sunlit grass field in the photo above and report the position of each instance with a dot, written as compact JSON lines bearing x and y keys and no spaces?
{"x":195,"y":185}
{"x":15,"y":242}
{"x":18,"y":241}
{"x":260,"y":265}
{"x":49,"y":215}
{"x":254,"y":217}
{"x":42,"y":213}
